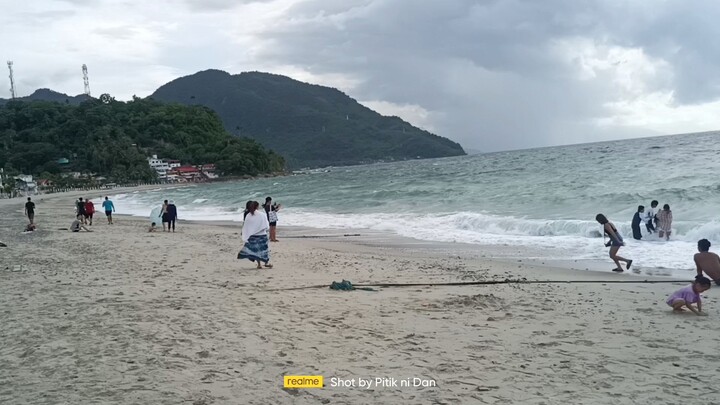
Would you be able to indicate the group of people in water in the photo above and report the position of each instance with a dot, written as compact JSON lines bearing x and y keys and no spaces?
{"x":660,"y":221}
{"x":707,"y":263}
{"x":257,"y":227}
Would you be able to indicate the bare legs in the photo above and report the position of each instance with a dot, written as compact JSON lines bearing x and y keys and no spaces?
{"x":273,"y":236}
{"x":617,"y":259}
{"x":678,"y":305}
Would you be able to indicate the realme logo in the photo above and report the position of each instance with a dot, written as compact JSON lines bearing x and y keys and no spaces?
{"x":303,"y":381}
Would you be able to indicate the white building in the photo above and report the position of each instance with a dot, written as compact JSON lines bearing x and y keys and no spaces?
{"x":25,"y":183}
{"x":160,"y":166}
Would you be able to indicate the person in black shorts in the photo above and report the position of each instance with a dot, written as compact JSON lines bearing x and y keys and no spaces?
{"x":109,"y":208}
{"x":271,"y":212}
{"x":30,"y":210}
{"x":80,"y":207}
{"x":616,"y":242}
{"x":165,"y":216}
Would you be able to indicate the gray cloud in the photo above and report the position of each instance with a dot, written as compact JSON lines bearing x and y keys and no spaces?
{"x":217,"y":5}
{"x":492,"y":67}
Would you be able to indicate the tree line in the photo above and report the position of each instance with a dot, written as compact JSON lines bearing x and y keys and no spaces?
{"x":112,"y":139}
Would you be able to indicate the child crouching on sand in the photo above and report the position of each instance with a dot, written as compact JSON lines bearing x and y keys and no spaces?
{"x":686,"y":296}
{"x":153,"y":227}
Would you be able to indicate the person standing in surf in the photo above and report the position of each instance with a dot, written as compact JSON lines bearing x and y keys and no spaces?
{"x":650,"y":217}
{"x":664,"y":222}
{"x":254,"y":236}
{"x":615,"y":243}
{"x":635,"y":225}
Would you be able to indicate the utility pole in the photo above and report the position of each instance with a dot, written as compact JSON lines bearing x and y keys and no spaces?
{"x":86,"y":81}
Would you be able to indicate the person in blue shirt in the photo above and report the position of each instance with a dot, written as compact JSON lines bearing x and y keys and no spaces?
{"x":109,"y":209}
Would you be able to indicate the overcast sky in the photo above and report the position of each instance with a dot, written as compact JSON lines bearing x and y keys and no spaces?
{"x":490,"y":74}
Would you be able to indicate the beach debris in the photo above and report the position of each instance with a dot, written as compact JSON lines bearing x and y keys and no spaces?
{"x":2,"y":244}
{"x":346,"y":285}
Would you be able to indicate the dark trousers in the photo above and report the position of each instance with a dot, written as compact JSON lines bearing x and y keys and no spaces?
{"x":650,"y":227}
{"x":171,"y":223}
{"x":636,"y":232}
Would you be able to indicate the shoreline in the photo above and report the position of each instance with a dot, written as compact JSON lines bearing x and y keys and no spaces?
{"x":505,"y":254}
{"x":583,"y":251}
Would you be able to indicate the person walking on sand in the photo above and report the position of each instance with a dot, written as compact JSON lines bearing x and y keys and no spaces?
{"x":616,"y":241}
{"x":80,"y":209}
{"x":109,"y":208}
{"x":172,"y":215}
{"x":635,"y":225}
{"x":664,"y":222}
{"x":89,"y":211}
{"x":686,"y":296}
{"x":254,"y":236}
{"x":164,"y":215}
{"x":707,"y":262}
{"x":30,"y":210}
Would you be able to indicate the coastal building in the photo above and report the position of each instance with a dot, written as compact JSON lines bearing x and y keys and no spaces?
{"x":25,"y":183}
{"x":160,"y":166}
{"x":208,"y":170}
{"x":186,"y":174}
{"x":173,"y":164}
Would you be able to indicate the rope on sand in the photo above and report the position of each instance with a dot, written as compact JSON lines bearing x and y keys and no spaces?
{"x":492,"y":282}
{"x":321,"y":236}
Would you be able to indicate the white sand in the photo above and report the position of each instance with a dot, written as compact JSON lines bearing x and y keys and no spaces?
{"x":123,"y":316}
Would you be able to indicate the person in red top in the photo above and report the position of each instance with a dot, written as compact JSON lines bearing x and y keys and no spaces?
{"x":89,"y":210}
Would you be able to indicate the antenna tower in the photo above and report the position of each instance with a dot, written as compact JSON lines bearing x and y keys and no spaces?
{"x":86,"y":81}
{"x":12,"y":79}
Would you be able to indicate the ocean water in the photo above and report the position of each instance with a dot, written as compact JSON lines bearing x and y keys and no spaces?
{"x":545,"y":199}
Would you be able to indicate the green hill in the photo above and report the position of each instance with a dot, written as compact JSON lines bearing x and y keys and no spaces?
{"x":114,"y":138}
{"x":50,"y":95}
{"x":309,"y":125}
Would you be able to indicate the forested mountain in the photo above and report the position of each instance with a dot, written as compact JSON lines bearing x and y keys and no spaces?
{"x":307,"y":124}
{"x":114,"y":138}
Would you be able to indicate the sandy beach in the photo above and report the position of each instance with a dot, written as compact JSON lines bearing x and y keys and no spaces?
{"x":122,"y":316}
